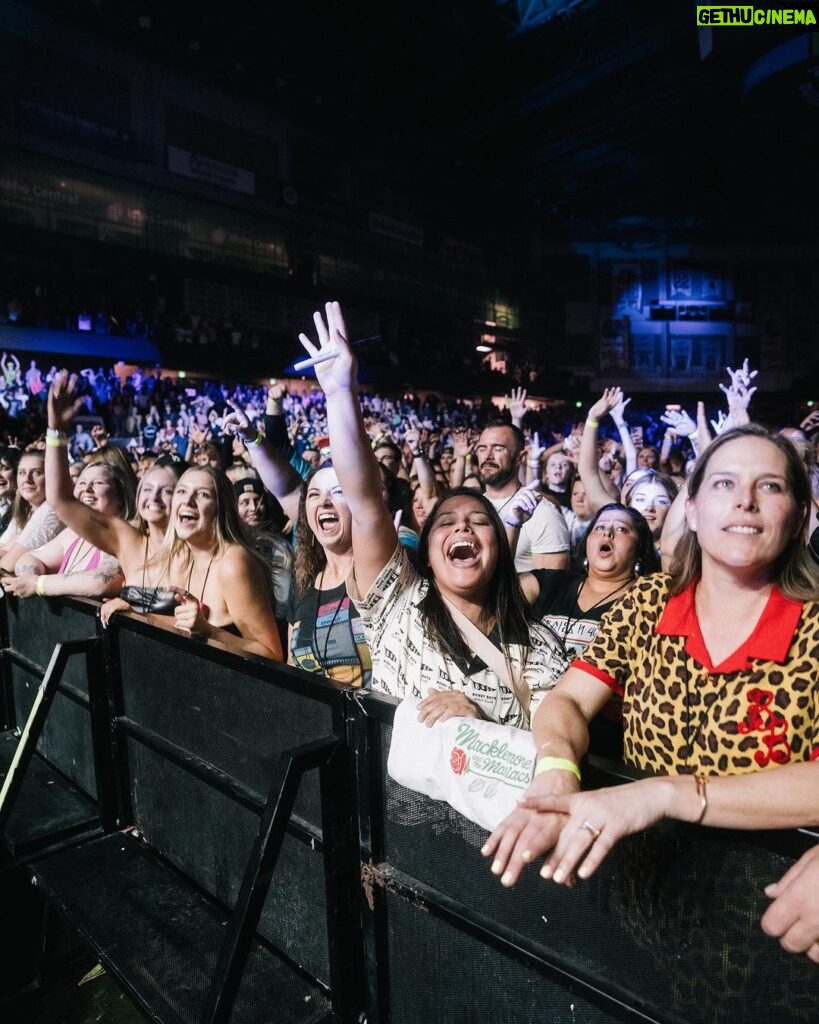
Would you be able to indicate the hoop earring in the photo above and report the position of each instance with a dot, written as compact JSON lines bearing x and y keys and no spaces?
{"x":637,"y":568}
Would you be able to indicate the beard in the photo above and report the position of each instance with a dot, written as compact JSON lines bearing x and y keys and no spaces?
{"x":494,"y":476}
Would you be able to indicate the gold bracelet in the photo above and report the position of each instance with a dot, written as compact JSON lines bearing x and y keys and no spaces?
{"x":550,"y":764}
{"x":702,"y":793}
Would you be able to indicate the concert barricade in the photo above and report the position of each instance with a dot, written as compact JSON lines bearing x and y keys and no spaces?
{"x":255,"y":863}
{"x":666,"y":930}
{"x":233,"y":826}
{"x":51,"y":658}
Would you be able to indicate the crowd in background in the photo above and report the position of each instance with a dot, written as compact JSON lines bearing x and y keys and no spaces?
{"x":475,"y":554}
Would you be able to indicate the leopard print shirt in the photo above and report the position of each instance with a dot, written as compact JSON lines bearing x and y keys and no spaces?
{"x":759,"y":708}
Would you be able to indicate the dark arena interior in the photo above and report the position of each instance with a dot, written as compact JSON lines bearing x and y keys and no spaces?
{"x":521,"y":206}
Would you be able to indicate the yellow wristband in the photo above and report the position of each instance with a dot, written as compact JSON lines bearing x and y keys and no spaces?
{"x":40,"y":588}
{"x":594,"y":424}
{"x":256,"y":442}
{"x":56,"y":442}
{"x":550,"y":764}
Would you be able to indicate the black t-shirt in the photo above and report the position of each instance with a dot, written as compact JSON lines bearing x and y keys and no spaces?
{"x":556,"y":605}
{"x":327,"y":635}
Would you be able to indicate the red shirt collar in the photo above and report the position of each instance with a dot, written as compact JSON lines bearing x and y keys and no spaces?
{"x":770,"y":640}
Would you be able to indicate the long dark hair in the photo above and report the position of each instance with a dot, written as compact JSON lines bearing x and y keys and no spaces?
{"x":645,"y":554}
{"x":793,"y":572}
{"x":505,"y":603}
{"x":308,"y":557}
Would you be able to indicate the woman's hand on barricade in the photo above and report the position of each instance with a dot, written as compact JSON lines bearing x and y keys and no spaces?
{"x":24,"y":585}
{"x":188,"y":617}
{"x":109,"y":608}
{"x":440,"y":705}
{"x":528,"y":833}
{"x":593,"y":821}
{"x":793,"y":917}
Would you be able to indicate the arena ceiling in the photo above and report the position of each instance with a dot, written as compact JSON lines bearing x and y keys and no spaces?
{"x":609,"y":118}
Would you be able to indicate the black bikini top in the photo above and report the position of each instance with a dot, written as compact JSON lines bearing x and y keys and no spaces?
{"x":150,"y":600}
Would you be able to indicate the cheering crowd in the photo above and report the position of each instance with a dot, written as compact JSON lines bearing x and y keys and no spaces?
{"x":648,"y":591}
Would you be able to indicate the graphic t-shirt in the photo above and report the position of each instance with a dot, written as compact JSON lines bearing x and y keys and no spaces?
{"x":328,"y":636}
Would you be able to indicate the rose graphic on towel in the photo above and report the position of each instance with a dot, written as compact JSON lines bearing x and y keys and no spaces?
{"x":458,"y":760}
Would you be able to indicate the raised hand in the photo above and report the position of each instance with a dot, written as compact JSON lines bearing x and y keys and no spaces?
{"x":99,"y":435}
{"x":619,"y":408}
{"x":680,"y":421}
{"x":63,"y":402}
{"x":516,"y":404}
{"x":522,"y":507}
{"x":739,"y":394}
{"x":339,"y":373}
{"x":720,"y":423}
{"x":460,"y":442}
{"x":810,"y":422}
{"x":610,"y":399}
{"x":534,"y":452}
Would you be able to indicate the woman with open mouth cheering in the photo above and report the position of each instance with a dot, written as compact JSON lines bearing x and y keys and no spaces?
{"x":457,"y":631}
{"x":201,"y":574}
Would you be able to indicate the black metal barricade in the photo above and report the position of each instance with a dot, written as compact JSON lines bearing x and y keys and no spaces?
{"x":667,"y":930}
{"x":225,"y":884}
{"x":57,"y":783}
{"x":255,"y":863}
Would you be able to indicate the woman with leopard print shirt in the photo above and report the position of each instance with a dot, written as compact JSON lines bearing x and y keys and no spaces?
{"x":717,"y":664}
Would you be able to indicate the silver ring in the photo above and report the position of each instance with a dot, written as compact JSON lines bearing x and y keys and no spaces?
{"x":595,"y":832}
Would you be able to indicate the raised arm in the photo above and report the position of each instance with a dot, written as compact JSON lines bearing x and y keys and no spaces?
{"x":107,"y":533}
{"x":617,"y":413}
{"x":461,"y":449}
{"x":597,"y":494}
{"x":374,"y":536}
{"x":276,"y":473}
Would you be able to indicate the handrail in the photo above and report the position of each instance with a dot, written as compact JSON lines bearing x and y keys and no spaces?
{"x":36,"y":720}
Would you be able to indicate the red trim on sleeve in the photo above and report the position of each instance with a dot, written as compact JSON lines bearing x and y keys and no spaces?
{"x":598,"y":673}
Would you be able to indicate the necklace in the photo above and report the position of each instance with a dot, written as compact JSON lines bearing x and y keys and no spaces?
{"x":581,"y":612}
{"x":147,"y":602}
{"x":81,"y":551}
{"x":203,"y":607}
{"x":336,"y":610}
{"x":503,"y":506}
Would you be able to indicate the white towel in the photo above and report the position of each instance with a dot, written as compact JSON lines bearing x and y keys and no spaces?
{"x":480,"y":768}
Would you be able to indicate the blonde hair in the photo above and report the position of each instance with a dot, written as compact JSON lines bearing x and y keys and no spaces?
{"x":228,"y":528}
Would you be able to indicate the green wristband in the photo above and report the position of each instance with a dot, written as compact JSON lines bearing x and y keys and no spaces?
{"x":550,"y":764}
